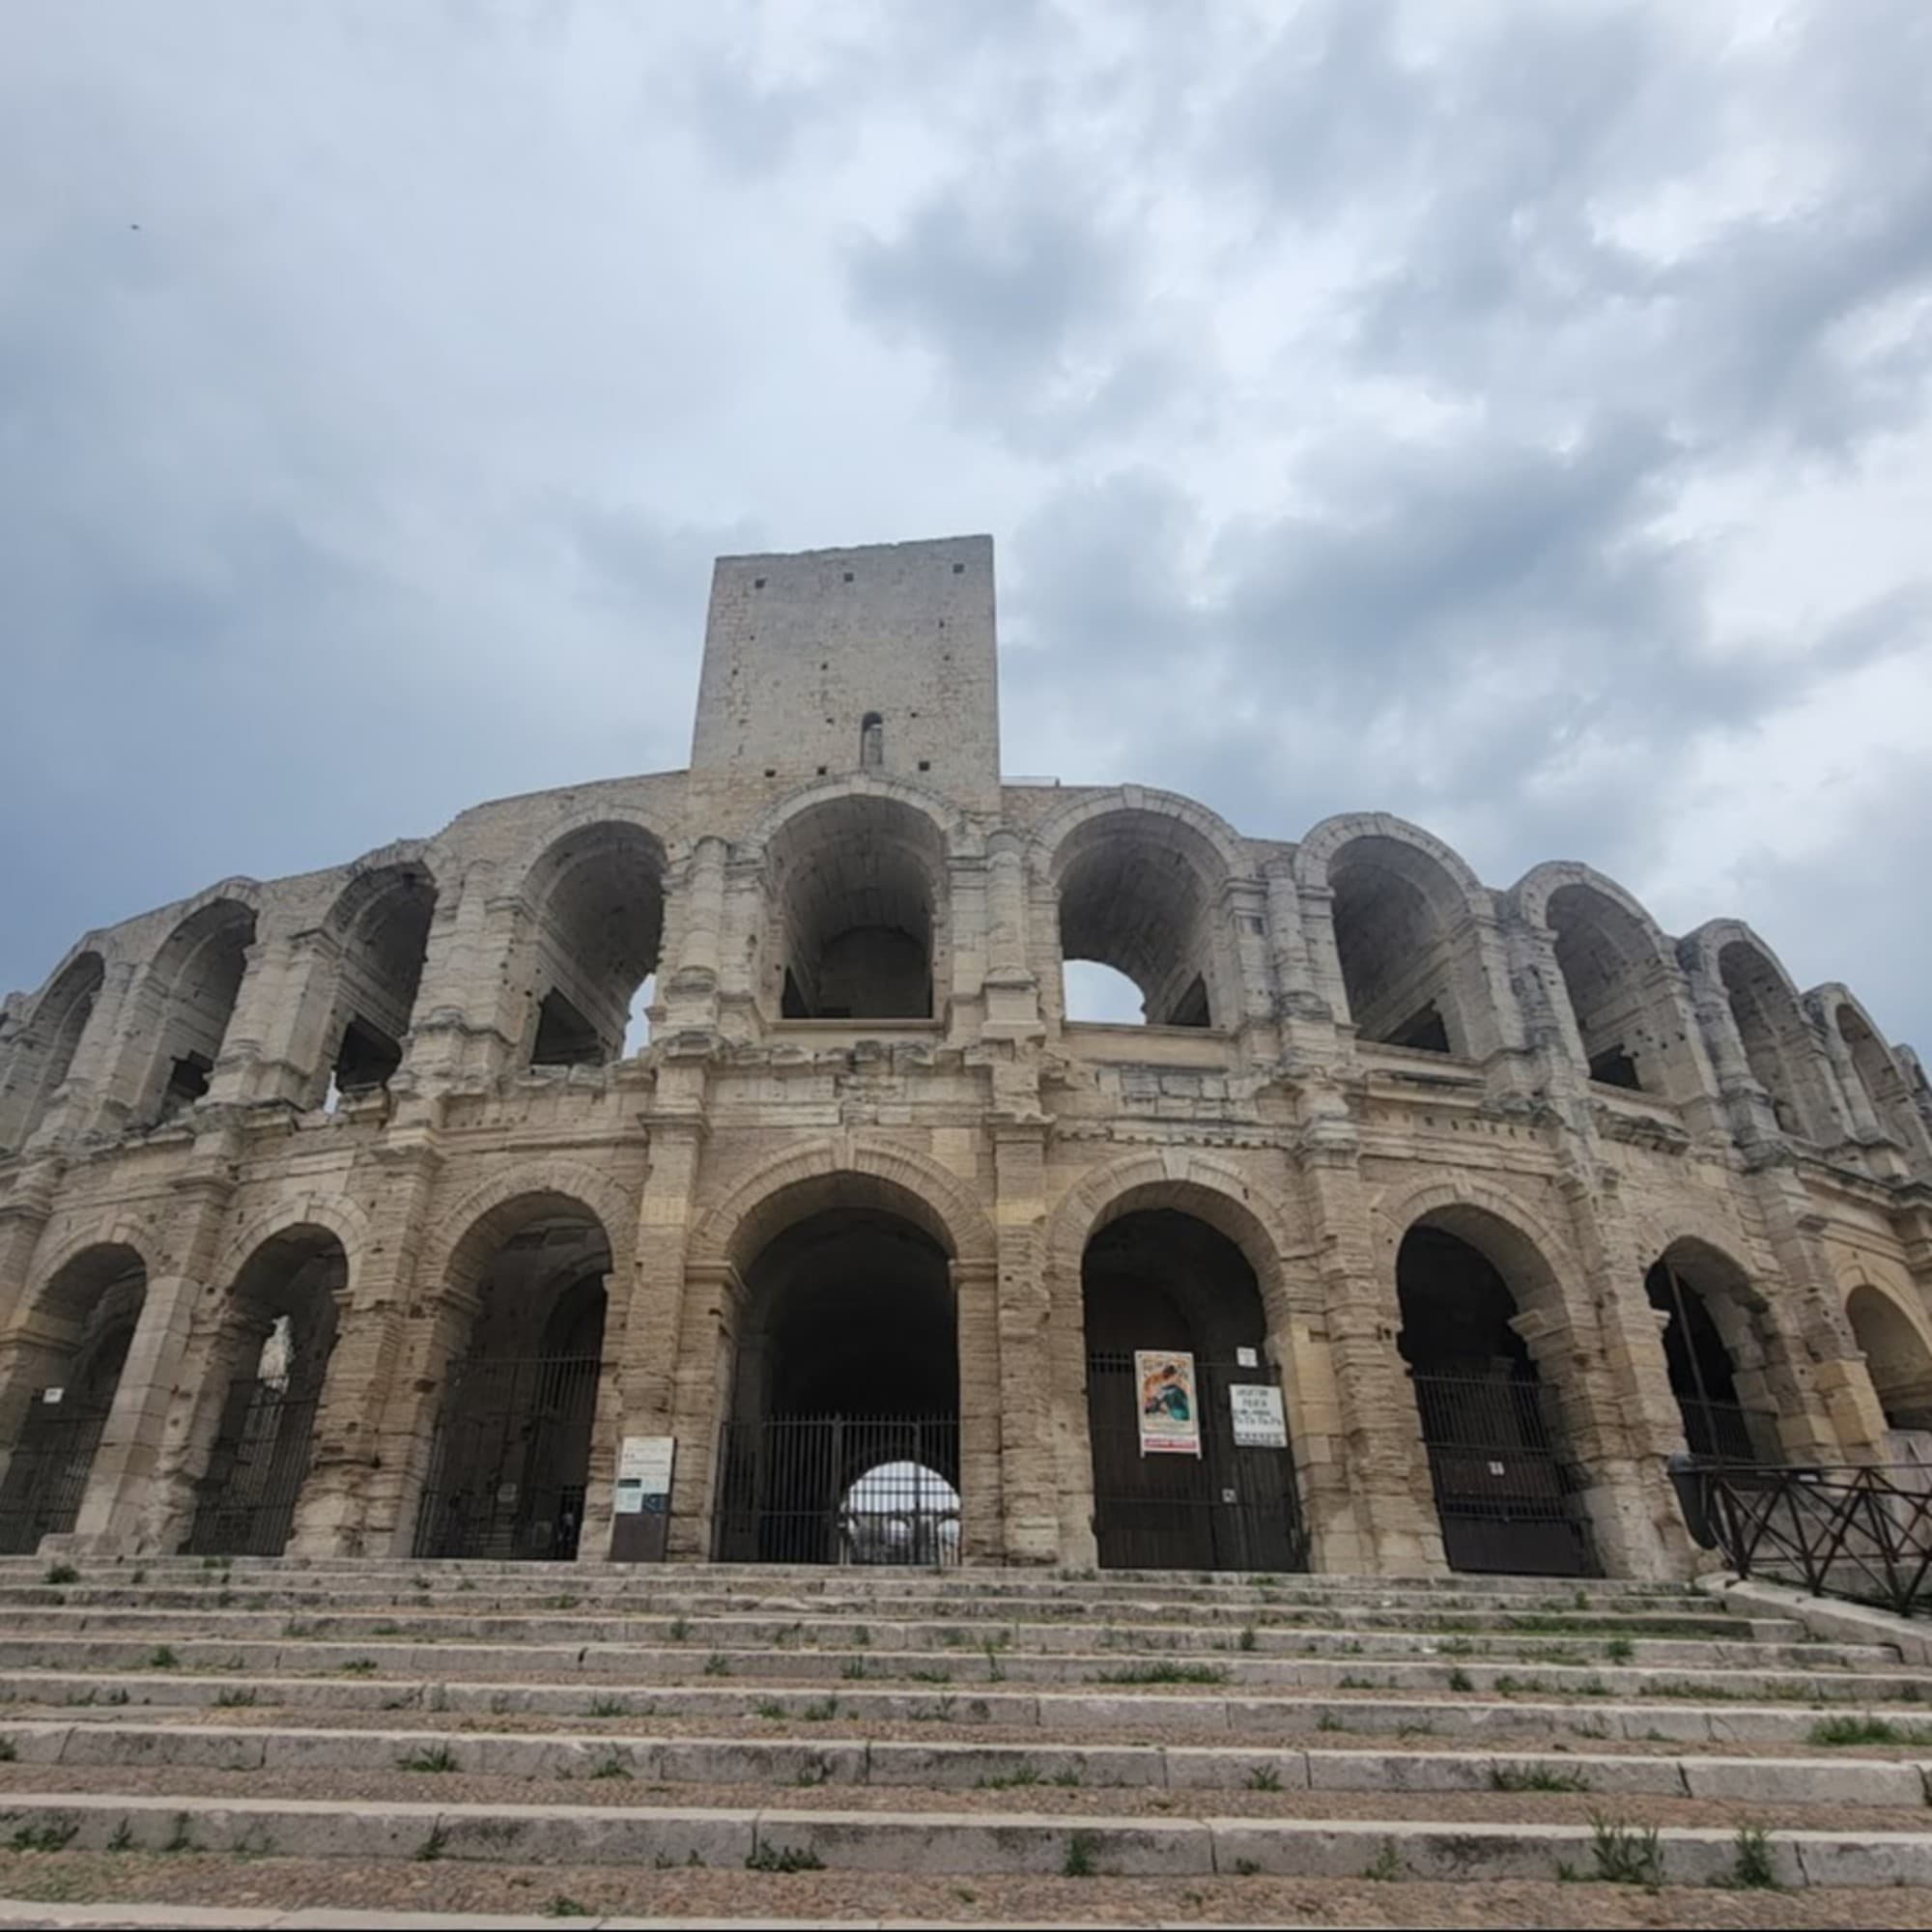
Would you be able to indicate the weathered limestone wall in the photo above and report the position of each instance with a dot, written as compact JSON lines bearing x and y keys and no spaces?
{"x":1774,"y":1147}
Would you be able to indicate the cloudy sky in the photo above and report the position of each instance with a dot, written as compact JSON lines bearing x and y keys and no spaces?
{"x":1513,"y":415}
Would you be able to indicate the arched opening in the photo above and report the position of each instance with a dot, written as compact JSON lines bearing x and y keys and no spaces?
{"x":1504,"y":1487}
{"x":845,"y":1396}
{"x":510,"y":1460}
{"x":1097,"y":995}
{"x":39,"y":1059}
{"x":385,"y":921}
{"x":1137,"y":895}
{"x":1885,"y":1086}
{"x":871,"y":742}
{"x":62,"y":1389}
{"x":855,"y":885}
{"x":1778,"y":1042}
{"x":1193,"y":1468}
{"x":1605,"y":960}
{"x":1898,"y":1362}
{"x":599,"y":925}
{"x":197,"y":979}
{"x":1396,"y":914}
{"x":1706,"y":1301}
{"x":270,"y":1353}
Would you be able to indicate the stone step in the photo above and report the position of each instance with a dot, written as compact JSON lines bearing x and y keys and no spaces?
{"x":1741,"y":1645}
{"x":963,"y":1668}
{"x":1063,"y":1717}
{"x":773,"y":1838}
{"x":1702,"y":1621}
{"x":954,"y":1767}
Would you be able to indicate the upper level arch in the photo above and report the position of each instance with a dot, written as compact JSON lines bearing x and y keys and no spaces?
{"x":856,"y":901}
{"x":595,"y":898}
{"x":37,"y":1054}
{"x":1404,"y":915}
{"x":1615,"y":965}
{"x":1896,"y":1342}
{"x":1771,"y":1029}
{"x":1138,"y":888}
{"x":381,"y":923}
{"x":188,"y":999}
{"x":1867,"y":1061}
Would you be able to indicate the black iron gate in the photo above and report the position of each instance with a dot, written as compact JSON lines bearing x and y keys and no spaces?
{"x":46,"y":1475}
{"x":839,"y":1489}
{"x":1229,"y":1508}
{"x":1503,"y":1494}
{"x":508,"y":1460}
{"x":246,"y":1501}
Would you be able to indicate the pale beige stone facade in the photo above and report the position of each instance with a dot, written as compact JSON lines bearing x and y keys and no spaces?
{"x":390,"y":1103}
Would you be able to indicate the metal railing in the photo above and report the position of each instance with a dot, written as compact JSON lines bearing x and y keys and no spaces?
{"x":1863,"y":1532}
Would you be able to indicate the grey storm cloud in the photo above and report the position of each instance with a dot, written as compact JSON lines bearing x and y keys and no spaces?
{"x":1514,"y":417}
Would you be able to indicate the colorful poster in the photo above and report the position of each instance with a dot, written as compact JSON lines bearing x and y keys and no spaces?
{"x":1170,"y":1412}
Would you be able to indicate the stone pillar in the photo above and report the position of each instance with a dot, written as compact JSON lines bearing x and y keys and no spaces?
{"x":708,"y":1342}
{"x":358,"y":1498}
{"x":1391,"y":1517}
{"x":646,"y":1338}
{"x":690,"y":999}
{"x":1012,"y":990}
{"x":130,"y":1456}
{"x":26,"y":1341}
{"x":977,"y":1291}
{"x":275,"y":1035}
{"x":1023,"y":1386}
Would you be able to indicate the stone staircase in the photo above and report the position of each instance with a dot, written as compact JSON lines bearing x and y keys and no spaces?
{"x":763,"y":1743}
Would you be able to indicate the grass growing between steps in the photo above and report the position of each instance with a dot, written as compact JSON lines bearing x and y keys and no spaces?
{"x":1859,"y":1729}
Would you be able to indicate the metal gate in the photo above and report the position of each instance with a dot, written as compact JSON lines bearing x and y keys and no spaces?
{"x":46,"y":1475}
{"x":839,"y":1489}
{"x":246,"y":1502}
{"x":1503,"y":1494}
{"x":1230,"y":1508}
{"x":508,"y":1460}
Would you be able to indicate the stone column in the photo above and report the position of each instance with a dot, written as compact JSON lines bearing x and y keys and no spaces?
{"x":1023,"y":1382}
{"x":1012,"y":991}
{"x":977,"y":1296}
{"x":129,"y":1458}
{"x":358,"y":1498}
{"x":27,"y":1341}
{"x":275,"y":1038}
{"x":1392,"y":1516}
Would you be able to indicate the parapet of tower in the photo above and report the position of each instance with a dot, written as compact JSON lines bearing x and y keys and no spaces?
{"x":831,"y":660}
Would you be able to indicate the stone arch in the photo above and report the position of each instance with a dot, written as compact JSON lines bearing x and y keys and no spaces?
{"x":790,"y":1184}
{"x":1179,"y":1178}
{"x":1866,"y":1062}
{"x":463,"y":1236}
{"x":949,"y":829}
{"x":1617,"y":973}
{"x":72,"y":1333}
{"x":1139,"y":882}
{"x":245,"y":1425}
{"x":856,"y":906}
{"x":1231,"y":858}
{"x":339,"y":1216}
{"x":38,"y":1051}
{"x":1896,"y":1338}
{"x":380,"y":922}
{"x":1203,"y":1265}
{"x":120,"y":1232}
{"x":1403,"y":947}
{"x":592,"y":895}
{"x":1752,"y":1006}
{"x":1498,"y":1359}
{"x":190,"y":991}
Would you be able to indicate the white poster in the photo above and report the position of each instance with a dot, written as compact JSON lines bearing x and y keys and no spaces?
{"x":645,"y":1461}
{"x":1170,"y":1414}
{"x":1258,"y":1420}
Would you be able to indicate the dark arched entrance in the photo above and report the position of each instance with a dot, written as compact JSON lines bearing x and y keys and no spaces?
{"x":269,"y":1356}
{"x":511,"y":1455}
{"x":62,"y":1390}
{"x":1502,"y":1483}
{"x":1719,"y":1425}
{"x":1159,"y":1281}
{"x":842,"y":1445}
